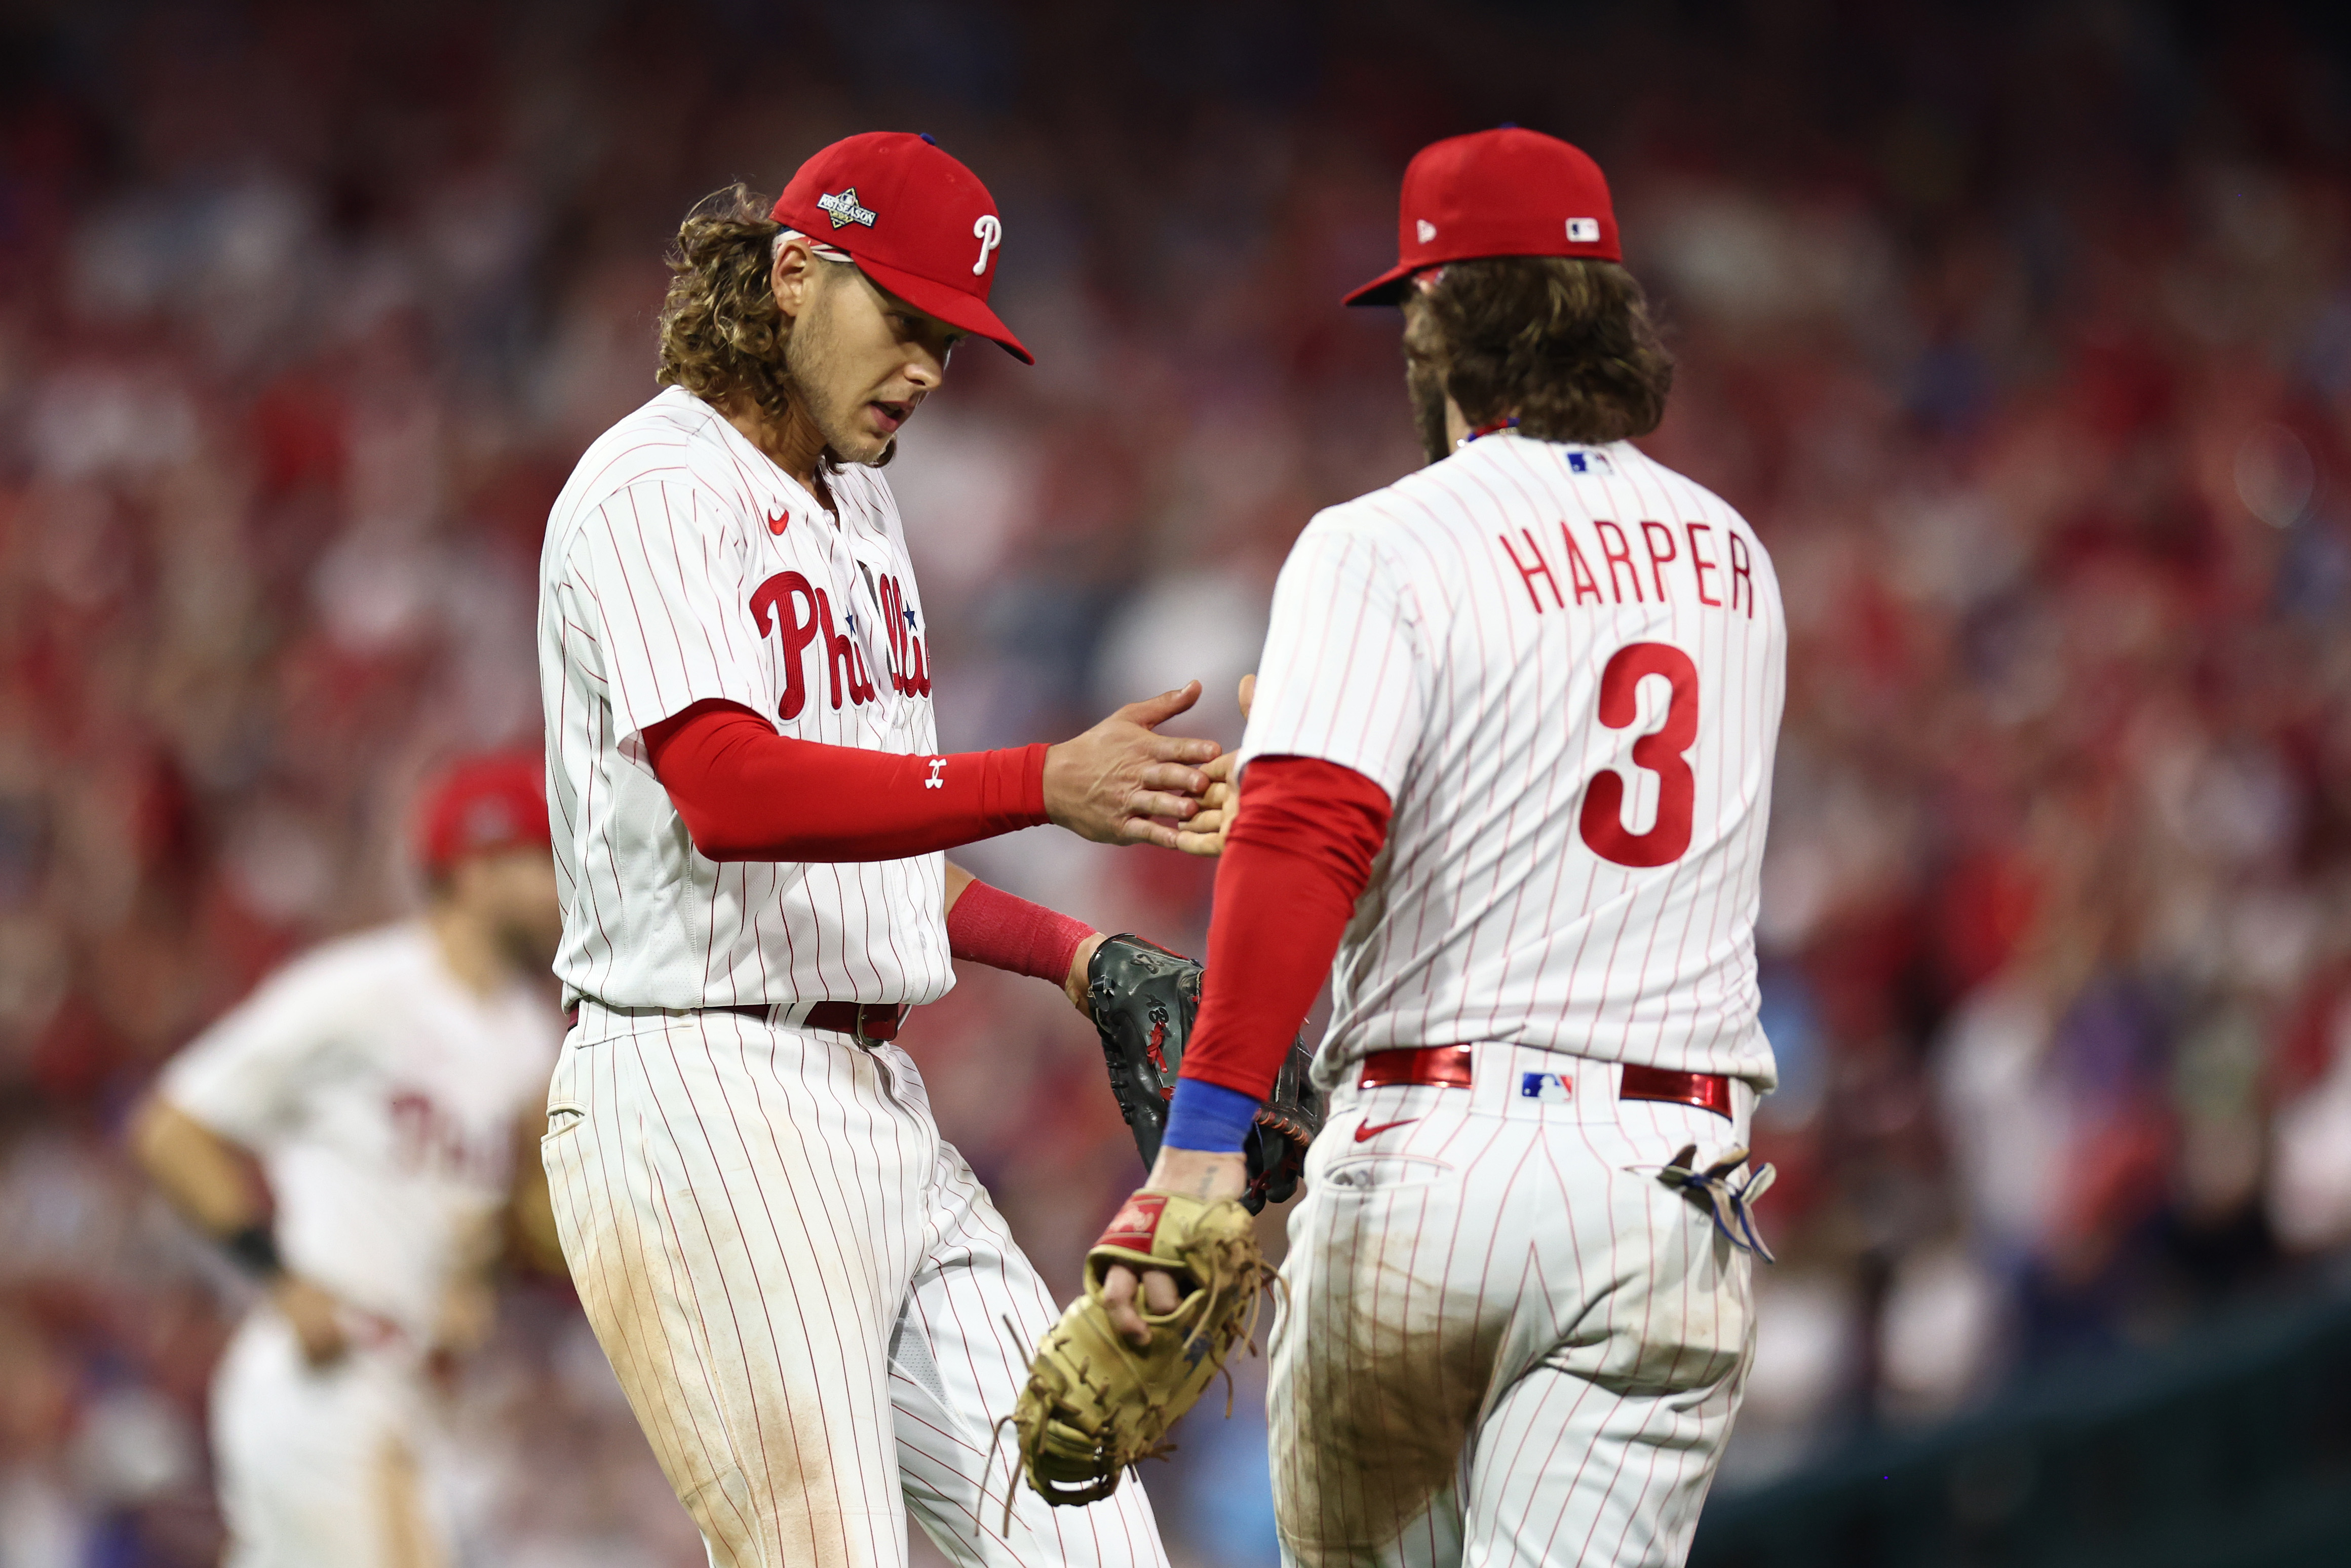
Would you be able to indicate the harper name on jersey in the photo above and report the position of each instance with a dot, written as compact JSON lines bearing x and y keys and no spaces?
{"x":1566,"y":666}
{"x":682,"y":565}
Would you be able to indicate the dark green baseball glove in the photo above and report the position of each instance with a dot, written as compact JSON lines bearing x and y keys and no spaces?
{"x":1144,"y":999}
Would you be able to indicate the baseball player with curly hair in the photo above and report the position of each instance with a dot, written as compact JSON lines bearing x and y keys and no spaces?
{"x":812,"y":1305}
{"x":1508,"y":759}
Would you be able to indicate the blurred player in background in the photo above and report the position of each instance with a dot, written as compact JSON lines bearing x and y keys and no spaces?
{"x":1510,"y":759}
{"x":384,"y":1084}
{"x":812,"y":1304}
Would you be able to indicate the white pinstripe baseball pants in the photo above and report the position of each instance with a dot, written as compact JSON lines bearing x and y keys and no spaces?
{"x":803,"y":1291}
{"x":1500,"y":1345}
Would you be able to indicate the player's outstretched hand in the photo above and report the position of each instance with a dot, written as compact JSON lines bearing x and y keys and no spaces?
{"x":1204,"y":835}
{"x":1108,"y":783}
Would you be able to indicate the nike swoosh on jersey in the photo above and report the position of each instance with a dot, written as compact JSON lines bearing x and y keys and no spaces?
{"x":1369,"y":1130}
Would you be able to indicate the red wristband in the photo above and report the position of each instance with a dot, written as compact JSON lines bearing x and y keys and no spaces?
{"x":990,"y":926}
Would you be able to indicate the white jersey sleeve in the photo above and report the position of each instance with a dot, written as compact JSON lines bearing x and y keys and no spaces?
{"x":1345,"y":673}
{"x":657,"y":572}
{"x":244,"y":1077}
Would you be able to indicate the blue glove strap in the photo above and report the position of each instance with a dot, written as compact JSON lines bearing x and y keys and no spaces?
{"x":1208,"y":1117}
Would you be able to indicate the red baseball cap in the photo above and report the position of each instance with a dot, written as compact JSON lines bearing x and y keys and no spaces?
{"x":482,"y":806}
{"x":1496,"y":193}
{"x":913,"y":219}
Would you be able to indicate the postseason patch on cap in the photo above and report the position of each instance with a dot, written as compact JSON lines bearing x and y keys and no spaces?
{"x":1579,"y":231}
{"x":844,"y":209}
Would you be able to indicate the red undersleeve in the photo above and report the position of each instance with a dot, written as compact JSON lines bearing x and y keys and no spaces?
{"x":749,"y":794}
{"x":1298,"y":856}
{"x":989,"y":926}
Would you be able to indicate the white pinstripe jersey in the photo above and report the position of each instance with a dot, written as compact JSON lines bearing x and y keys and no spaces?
{"x":681,"y":564}
{"x":380,"y":1095}
{"x":1566,"y":666}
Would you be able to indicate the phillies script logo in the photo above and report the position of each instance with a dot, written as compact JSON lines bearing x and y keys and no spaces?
{"x":909,"y":670}
{"x":429,"y":1140}
{"x":805,"y":612}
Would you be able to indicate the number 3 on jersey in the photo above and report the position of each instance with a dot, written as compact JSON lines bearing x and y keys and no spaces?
{"x":1661,"y":752}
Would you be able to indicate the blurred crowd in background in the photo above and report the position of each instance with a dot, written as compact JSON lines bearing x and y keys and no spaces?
{"x":2021,"y":333}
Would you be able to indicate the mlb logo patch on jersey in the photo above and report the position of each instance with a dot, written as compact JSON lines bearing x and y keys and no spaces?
{"x":1587,"y":462}
{"x":1549,"y":1088}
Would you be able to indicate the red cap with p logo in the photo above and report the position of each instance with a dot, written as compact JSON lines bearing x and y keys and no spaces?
{"x":1496,"y":193}
{"x":913,"y":219}
{"x":484,"y":805}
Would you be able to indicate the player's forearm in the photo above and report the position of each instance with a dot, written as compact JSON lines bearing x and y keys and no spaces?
{"x":200,"y":1174}
{"x":746,"y":793}
{"x":1298,"y":856}
{"x":989,"y":926}
{"x":1209,"y":1176}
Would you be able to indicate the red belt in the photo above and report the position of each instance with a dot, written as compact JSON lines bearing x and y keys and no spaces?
{"x":861,"y":1020}
{"x":1447,"y":1067}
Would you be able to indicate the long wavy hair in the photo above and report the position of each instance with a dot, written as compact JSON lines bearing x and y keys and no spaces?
{"x":721,"y":331}
{"x":1565,"y":343}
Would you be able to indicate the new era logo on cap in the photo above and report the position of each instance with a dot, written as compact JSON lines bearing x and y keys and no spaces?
{"x":1428,"y":231}
{"x":844,"y":209}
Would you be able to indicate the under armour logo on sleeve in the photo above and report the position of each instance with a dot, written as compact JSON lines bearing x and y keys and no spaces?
{"x":935,"y":781}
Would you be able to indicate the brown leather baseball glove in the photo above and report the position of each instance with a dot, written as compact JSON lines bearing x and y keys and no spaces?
{"x":1094,"y":1403}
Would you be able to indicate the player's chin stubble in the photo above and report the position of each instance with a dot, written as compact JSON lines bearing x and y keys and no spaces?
{"x":811,"y":359}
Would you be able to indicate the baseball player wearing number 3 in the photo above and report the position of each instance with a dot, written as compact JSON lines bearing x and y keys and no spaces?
{"x":1510,"y":759}
{"x":814,"y":1309}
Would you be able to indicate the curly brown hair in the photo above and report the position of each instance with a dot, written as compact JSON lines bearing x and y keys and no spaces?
{"x":721,"y":331}
{"x":1565,"y":343}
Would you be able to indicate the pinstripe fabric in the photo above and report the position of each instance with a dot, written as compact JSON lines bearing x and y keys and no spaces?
{"x":1447,"y":637}
{"x":1504,"y":1342}
{"x":677,"y":564}
{"x":805,"y":1293}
